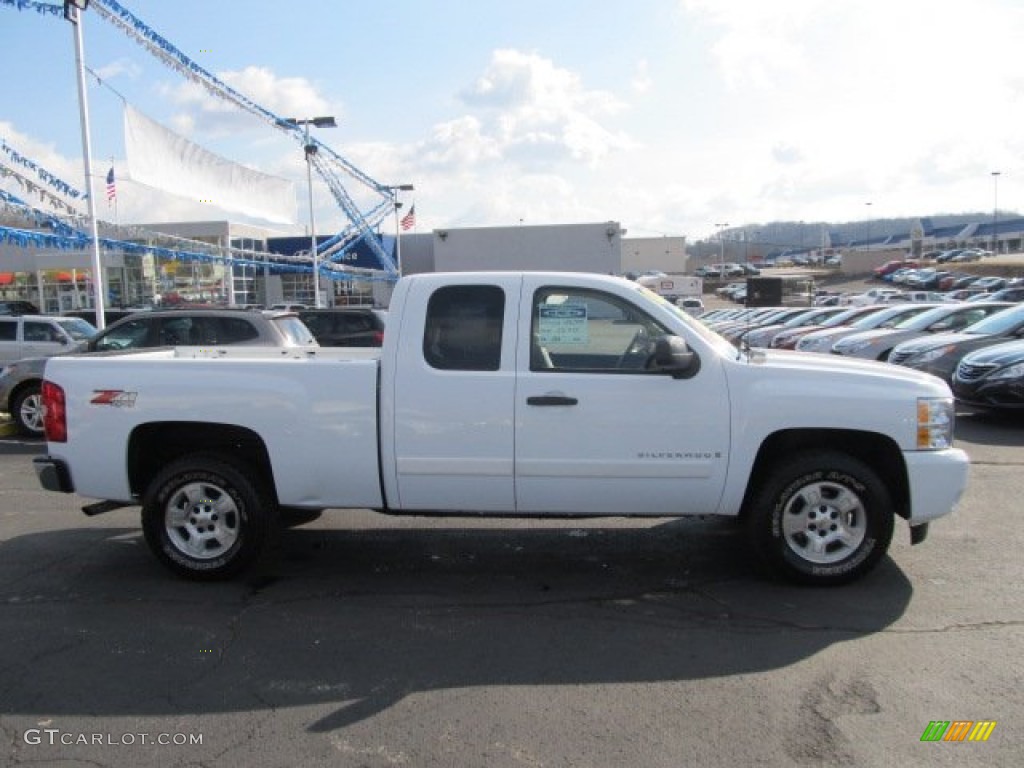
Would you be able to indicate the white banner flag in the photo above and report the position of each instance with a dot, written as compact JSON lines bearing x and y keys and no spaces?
{"x":162,"y":159}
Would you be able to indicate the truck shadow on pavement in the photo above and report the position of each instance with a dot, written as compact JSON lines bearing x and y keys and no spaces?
{"x":361,"y":618}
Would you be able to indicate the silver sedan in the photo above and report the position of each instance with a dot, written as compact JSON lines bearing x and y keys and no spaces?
{"x":877,"y":344}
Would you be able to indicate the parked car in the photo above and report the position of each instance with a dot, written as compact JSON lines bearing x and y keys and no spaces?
{"x":882,"y":317}
{"x":968,"y":254}
{"x":288,"y":307}
{"x":877,"y":344}
{"x":762,"y":337}
{"x":875,"y":296}
{"x":963,"y":294}
{"x":788,"y":339}
{"x":15,"y":307}
{"x":762,"y":317}
{"x":1007,"y":294}
{"x":20,"y":381}
{"x":40,"y":335}
{"x":110,"y":316}
{"x":966,"y":282}
{"x":940,"y":354}
{"x":990,"y":283}
{"x":691,"y":305}
{"x":992,"y":377}
{"x":726,"y":290}
{"x":345,"y":326}
{"x":891,"y":266}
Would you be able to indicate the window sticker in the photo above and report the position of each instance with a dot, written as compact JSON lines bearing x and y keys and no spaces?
{"x":563,"y":324}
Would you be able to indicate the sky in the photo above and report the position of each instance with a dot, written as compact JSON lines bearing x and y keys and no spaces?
{"x":672,"y":117}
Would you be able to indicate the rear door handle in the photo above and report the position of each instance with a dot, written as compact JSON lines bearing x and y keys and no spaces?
{"x":551,"y":400}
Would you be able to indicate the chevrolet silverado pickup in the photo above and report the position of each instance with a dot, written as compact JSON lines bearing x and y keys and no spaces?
{"x":517,"y":394}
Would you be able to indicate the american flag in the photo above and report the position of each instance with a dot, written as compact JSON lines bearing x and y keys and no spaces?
{"x":111,"y":186}
{"x":409,"y":220}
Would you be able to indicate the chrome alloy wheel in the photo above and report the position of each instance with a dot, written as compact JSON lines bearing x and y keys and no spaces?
{"x":30,"y":412}
{"x":824,"y":522}
{"x":202,"y":520}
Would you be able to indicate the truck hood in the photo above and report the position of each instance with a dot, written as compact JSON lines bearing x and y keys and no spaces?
{"x":834,"y":368}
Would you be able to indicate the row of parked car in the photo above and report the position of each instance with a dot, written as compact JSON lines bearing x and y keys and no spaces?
{"x":27,"y":341}
{"x":976,"y":347}
{"x":916,"y":275}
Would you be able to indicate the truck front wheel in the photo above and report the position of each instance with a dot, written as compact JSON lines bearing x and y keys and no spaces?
{"x":204,"y":519}
{"x":822,"y":518}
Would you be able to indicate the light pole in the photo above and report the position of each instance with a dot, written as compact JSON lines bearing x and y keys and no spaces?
{"x":310,"y":150}
{"x":721,"y":245}
{"x":995,"y":211}
{"x":72,"y":12}
{"x":398,"y":222}
{"x":867,"y":240}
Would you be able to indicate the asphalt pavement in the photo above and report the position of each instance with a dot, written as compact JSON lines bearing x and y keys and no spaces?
{"x":415,"y":642}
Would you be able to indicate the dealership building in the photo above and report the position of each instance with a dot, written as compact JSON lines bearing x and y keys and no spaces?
{"x":241,"y":264}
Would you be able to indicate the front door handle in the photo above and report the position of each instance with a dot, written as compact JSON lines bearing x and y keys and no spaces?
{"x":551,"y":400}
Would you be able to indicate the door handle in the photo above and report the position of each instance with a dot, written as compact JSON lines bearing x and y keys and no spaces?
{"x":551,"y":400}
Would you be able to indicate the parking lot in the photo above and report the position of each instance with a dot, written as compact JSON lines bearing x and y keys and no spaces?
{"x":403,"y":641}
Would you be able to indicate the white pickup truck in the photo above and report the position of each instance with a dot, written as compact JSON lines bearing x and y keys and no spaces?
{"x":518,"y":394}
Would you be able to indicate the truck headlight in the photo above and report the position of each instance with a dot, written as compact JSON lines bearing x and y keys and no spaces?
{"x":935,"y":419}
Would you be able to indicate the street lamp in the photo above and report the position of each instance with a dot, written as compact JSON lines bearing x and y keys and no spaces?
{"x":72,"y":9}
{"x":721,"y":245}
{"x":995,"y":211}
{"x":310,"y":150}
{"x":398,"y":222}
{"x":867,"y":240}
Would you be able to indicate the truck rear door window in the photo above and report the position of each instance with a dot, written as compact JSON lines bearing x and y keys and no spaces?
{"x":463,"y":328}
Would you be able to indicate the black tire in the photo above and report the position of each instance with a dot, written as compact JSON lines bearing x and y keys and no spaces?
{"x":26,"y":410}
{"x":821,"y":518}
{"x":205,"y":519}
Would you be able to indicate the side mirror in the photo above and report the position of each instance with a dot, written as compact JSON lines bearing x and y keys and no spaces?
{"x":672,"y":355}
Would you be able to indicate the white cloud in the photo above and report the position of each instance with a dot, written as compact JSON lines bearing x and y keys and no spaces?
{"x":642,"y":82}
{"x":118,"y":68}
{"x":283,"y":96}
{"x":537,"y":112}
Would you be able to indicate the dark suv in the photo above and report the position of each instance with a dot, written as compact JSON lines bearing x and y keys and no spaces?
{"x":20,"y":381}
{"x":18,"y":308}
{"x":345,"y":326}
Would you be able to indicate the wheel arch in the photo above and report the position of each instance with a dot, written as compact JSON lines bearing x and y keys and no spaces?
{"x":878,"y":451}
{"x":20,"y":387}
{"x":154,"y":445}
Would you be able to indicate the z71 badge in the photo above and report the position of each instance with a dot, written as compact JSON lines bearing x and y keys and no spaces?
{"x":117,"y":398}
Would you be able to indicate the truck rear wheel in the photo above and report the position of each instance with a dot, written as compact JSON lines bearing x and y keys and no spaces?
{"x":204,"y":519}
{"x":822,"y":518}
{"x":27,"y":411}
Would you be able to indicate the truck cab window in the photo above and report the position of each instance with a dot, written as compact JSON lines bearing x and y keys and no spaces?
{"x":577,"y":329}
{"x":463,"y":328}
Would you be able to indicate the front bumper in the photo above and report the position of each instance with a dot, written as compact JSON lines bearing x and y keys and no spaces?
{"x":53,"y":474}
{"x":937,"y":481}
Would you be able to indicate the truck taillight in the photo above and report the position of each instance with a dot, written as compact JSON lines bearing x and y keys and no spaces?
{"x":378,"y":337}
{"x":55,"y":414}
